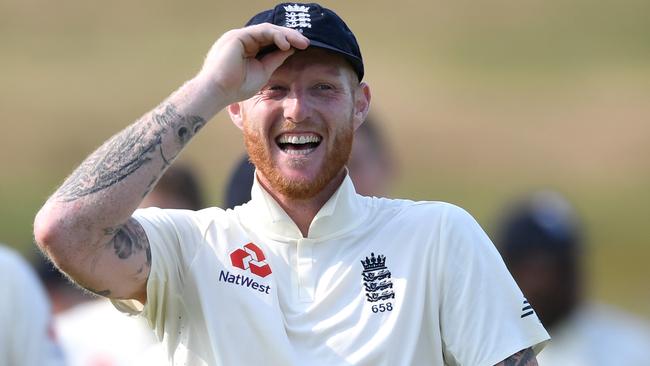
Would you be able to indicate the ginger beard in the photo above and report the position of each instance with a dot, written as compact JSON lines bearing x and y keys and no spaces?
{"x":336,"y":158}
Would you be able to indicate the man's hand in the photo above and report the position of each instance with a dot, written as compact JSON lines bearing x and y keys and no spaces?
{"x":86,"y":226}
{"x":232,"y":68}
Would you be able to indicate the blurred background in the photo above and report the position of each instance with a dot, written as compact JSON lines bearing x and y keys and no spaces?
{"x":481,"y":102}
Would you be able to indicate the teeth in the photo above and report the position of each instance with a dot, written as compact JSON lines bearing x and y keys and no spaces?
{"x":298,"y":139}
{"x":298,"y":152}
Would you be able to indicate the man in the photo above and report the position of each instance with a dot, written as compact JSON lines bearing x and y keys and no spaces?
{"x":308,"y":272}
{"x":541,"y":242}
{"x":370,"y":166}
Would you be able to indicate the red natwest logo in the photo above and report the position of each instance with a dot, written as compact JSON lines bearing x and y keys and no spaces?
{"x":251,"y":258}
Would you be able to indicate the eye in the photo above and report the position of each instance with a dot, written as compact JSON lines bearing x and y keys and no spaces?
{"x":323,"y":86}
{"x":273,"y":90}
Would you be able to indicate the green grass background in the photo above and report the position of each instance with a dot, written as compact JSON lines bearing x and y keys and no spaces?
{"x":482,"y":102}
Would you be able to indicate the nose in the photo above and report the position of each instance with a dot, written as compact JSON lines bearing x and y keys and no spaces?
{"x":296,"y":107}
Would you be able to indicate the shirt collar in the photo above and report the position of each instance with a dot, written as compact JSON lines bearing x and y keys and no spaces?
{"x":342,"y":212}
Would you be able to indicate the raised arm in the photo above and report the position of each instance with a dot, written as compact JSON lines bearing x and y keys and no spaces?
{"x":86,"y":226}
{"x":524,"y":357}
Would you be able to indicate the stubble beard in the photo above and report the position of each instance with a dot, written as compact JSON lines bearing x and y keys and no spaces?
{"x":299,"y":189}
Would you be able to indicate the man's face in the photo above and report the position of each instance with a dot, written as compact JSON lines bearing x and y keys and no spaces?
{"x":298,"y":129}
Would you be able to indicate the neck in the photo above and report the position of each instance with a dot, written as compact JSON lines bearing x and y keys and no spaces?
{"x":303,"y":211}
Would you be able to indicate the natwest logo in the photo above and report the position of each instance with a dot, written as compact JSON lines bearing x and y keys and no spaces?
{"x":251,"y":258}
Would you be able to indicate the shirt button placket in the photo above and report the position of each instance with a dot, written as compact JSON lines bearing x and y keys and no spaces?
{"x":304,"y":265}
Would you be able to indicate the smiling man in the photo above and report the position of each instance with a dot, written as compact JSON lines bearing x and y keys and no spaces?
{"x":308,"y":272}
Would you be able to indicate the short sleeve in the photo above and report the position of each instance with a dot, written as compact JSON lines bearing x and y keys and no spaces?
{"x":484,"y":317}
{"x":174,"y":237}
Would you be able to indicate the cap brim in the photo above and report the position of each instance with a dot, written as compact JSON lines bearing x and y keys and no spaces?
{"x":355,"y":62}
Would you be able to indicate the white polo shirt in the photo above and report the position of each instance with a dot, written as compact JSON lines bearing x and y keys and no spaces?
{"x":377,"y":282}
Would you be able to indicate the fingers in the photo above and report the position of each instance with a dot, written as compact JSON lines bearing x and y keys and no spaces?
{"x":232,"y":68}
{"x":256,"y":37}
{"x":273,"y":60}
{"x":281,"y":41}
{"x":295,"y":38}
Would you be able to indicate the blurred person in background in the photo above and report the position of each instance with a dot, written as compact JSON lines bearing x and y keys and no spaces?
{"x":541,"y":241}
{"x":371,"y":166}
{"x":238,"y":187}
{"x":26,"y":334}
{"x":95,"y":333}
{"x":179,"y":188}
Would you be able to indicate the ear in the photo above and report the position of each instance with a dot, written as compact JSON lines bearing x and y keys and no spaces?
{"x":235,"y":112}
{"x":361,"y":104}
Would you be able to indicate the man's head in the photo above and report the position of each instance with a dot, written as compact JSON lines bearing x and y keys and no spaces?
{"x":298,"y":129}
{"x":540,"y":242}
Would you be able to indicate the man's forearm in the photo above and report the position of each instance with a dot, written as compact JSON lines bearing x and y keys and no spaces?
{"x":137,"y":155}
{"x":122,"y":171}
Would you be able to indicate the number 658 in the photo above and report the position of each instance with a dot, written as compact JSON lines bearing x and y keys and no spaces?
{"x":382,"y":307}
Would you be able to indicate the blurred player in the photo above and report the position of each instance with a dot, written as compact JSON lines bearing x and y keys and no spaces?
{"x":178,"y":188}
{"x":308,"y":272}
{"x":371,"y":166}
{"x":541,"y":241}
{"x":26,"y":334}
{"x":238,"y":188}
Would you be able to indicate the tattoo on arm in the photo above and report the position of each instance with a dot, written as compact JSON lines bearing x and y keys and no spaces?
{"x":125,"y":241}
{"x":130,"y":239}
{"x":129,"y":150}
{"x":150,"y":186}
{"x":522,"y":358}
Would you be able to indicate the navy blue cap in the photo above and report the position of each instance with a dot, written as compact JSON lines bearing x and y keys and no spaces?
{"x":322,"y":26}
{"x":544,"y":222}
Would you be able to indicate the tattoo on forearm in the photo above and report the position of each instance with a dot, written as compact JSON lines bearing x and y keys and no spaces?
{"x":126,"y":241}
{"x":150,"y":186}
{"x":185,"y":126}
{"x":129,"y":150}
{"x":522,"y":358}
